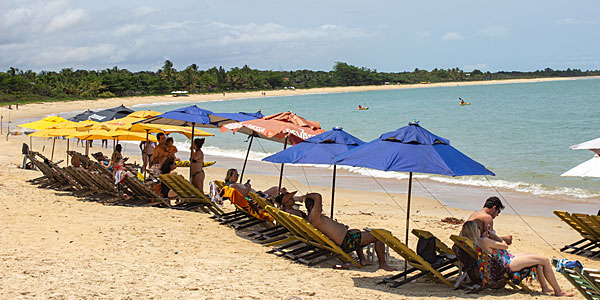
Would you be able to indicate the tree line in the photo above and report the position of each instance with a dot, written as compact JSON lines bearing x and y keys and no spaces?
{"x":28,"y":86}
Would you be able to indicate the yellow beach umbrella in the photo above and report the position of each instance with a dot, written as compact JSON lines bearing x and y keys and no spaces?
{"x":84,"y":125}
{"x":43,"y":123}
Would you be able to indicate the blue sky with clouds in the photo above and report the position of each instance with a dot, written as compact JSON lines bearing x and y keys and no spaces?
{"x":288,"y":35}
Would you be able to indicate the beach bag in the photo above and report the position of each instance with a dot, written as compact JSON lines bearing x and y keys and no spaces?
{"x":426,"y":249}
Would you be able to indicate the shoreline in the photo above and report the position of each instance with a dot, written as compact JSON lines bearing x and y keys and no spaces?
{"x":101,"y":251}
{"x":453,"y":194}
{"x":34,"y":110}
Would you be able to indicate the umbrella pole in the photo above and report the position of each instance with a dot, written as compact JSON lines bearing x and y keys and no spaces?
{"x":68,"y":152}
{"x":333,"y":191}
{"x":147,"y":164}
{"x":192,"y":152}
{"x":281,"y":170}
{"x":246,"y":160}
{"x":30,"y":144}
{"x":408,"y":214}
{"x":87,"y":153}
{"x":53,"y":143}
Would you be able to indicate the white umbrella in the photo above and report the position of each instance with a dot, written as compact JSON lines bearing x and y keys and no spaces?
{"x":590,"y":168}
{"x":593,"y":145}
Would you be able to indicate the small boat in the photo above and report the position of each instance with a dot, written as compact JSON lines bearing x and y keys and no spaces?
{"x":362,"y":108}
{"x":186,"y":163}
{"x":466,"y":103}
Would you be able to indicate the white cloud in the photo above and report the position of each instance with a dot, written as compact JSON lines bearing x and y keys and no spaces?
{"x":128,"y":29}
{"x":480,"y":67}
{"x":452,"y":36}
{"x":423,"y":35}
{"x":172,"y":25}
{"x":143,"y":11}
{"x":66,"y":20}
{"x":566,"y":21}
{"x":71,"y":55}
{"x":494,"y":31}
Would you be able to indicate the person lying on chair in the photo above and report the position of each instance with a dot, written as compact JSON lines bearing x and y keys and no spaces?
{"x":348,"y":239}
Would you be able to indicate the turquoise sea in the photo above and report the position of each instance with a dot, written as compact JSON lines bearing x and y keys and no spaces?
{"x":520,"y":131}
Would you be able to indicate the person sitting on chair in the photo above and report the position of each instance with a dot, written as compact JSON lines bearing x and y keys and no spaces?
{"x":167,"y":167}
{"x":517,"y":261}
{"x":484,"y":218}
{"x":348,"y":239}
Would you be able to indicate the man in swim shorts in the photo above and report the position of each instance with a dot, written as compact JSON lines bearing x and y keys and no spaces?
{"x":485,"y":219}
{"x":348,"y":239}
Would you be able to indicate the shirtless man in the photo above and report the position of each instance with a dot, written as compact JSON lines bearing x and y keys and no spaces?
{"x":348,"y":239}
{"x":485,"y":220}
{"x":160,"y":151}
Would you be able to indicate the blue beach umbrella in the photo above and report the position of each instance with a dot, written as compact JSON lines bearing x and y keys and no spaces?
{"x":412,"y":149}
{"x":197,"y":117}
{"x":319,"y":149}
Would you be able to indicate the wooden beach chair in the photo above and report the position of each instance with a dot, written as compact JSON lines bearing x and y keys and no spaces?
{"x":590,"y":239}
{"x":588,"y":222}
{"x":469,"y":247}
{"x":57,"y":178}
{"x":441,"y":270}
{"x":317,"y":246}
{"x":191,"y":198}
{"x":142,"y":193}
{"x":242,"y":217}
{"x":586,"y":281}
{"x":267,"y":235}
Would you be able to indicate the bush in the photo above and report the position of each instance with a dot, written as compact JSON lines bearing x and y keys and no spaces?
{"x":106,"y":95}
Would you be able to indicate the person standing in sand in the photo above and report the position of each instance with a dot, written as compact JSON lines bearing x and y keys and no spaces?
{"x":348,"y":239}
{"x":485,"y":220}
{"x":197,"y":165}
{"x":160,"y":151}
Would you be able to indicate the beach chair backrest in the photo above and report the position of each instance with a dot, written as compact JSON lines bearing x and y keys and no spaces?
{"x":440,"y":246}
{"x":587,"y":223}
{"x":573,"y":222}
{"x":586,"y":281}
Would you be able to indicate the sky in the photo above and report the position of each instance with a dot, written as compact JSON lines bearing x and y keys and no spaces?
{"x":388,"y":36}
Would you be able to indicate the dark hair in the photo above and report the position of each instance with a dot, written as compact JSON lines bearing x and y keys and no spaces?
{"x":169,"y":139}
{"x":492,"y":202}
{"x":118,"y":148}
{"x":229,"y":173}
{"x":158,"y":135}
{"x":309,"y":203}
{"x":279,"y":198}
{"x":198,"y":143}
{"x":165,"y":168}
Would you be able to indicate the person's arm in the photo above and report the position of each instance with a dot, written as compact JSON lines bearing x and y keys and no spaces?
{"x":491,"y":244}
{"x":315,"y":213}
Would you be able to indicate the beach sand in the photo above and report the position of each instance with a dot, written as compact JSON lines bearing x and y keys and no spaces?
{"x":55,"y":246}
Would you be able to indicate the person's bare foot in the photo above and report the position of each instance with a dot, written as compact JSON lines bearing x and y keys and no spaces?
{"x":564,"y":294}
{"x":547,"y":291}
{"x":387,"y":267}
{"x":365,"y":262}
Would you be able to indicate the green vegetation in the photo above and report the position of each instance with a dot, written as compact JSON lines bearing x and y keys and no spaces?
{"x":27,"y":86}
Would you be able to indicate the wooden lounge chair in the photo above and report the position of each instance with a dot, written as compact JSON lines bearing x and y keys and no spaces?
{"x":469,"y":247}
{"x":271,"y":234}
{"x":590,"y":239}
{"x":586,"y":281}
{"x":190,"y":197}
{"x":591,"y":225}
{"x":246,"y":214}
{"x":56,"y":177}
{"x":316,"y":243}
{"x":436,"y":270}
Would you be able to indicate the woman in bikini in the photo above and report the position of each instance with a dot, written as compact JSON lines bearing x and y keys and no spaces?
{"x":515,"y":262}
{"x":197,"y":163}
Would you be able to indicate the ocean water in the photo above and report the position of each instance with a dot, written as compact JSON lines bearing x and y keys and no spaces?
{"x":520,"y":131}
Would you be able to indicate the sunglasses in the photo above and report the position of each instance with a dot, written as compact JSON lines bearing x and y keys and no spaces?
{"x":236,"y":175}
